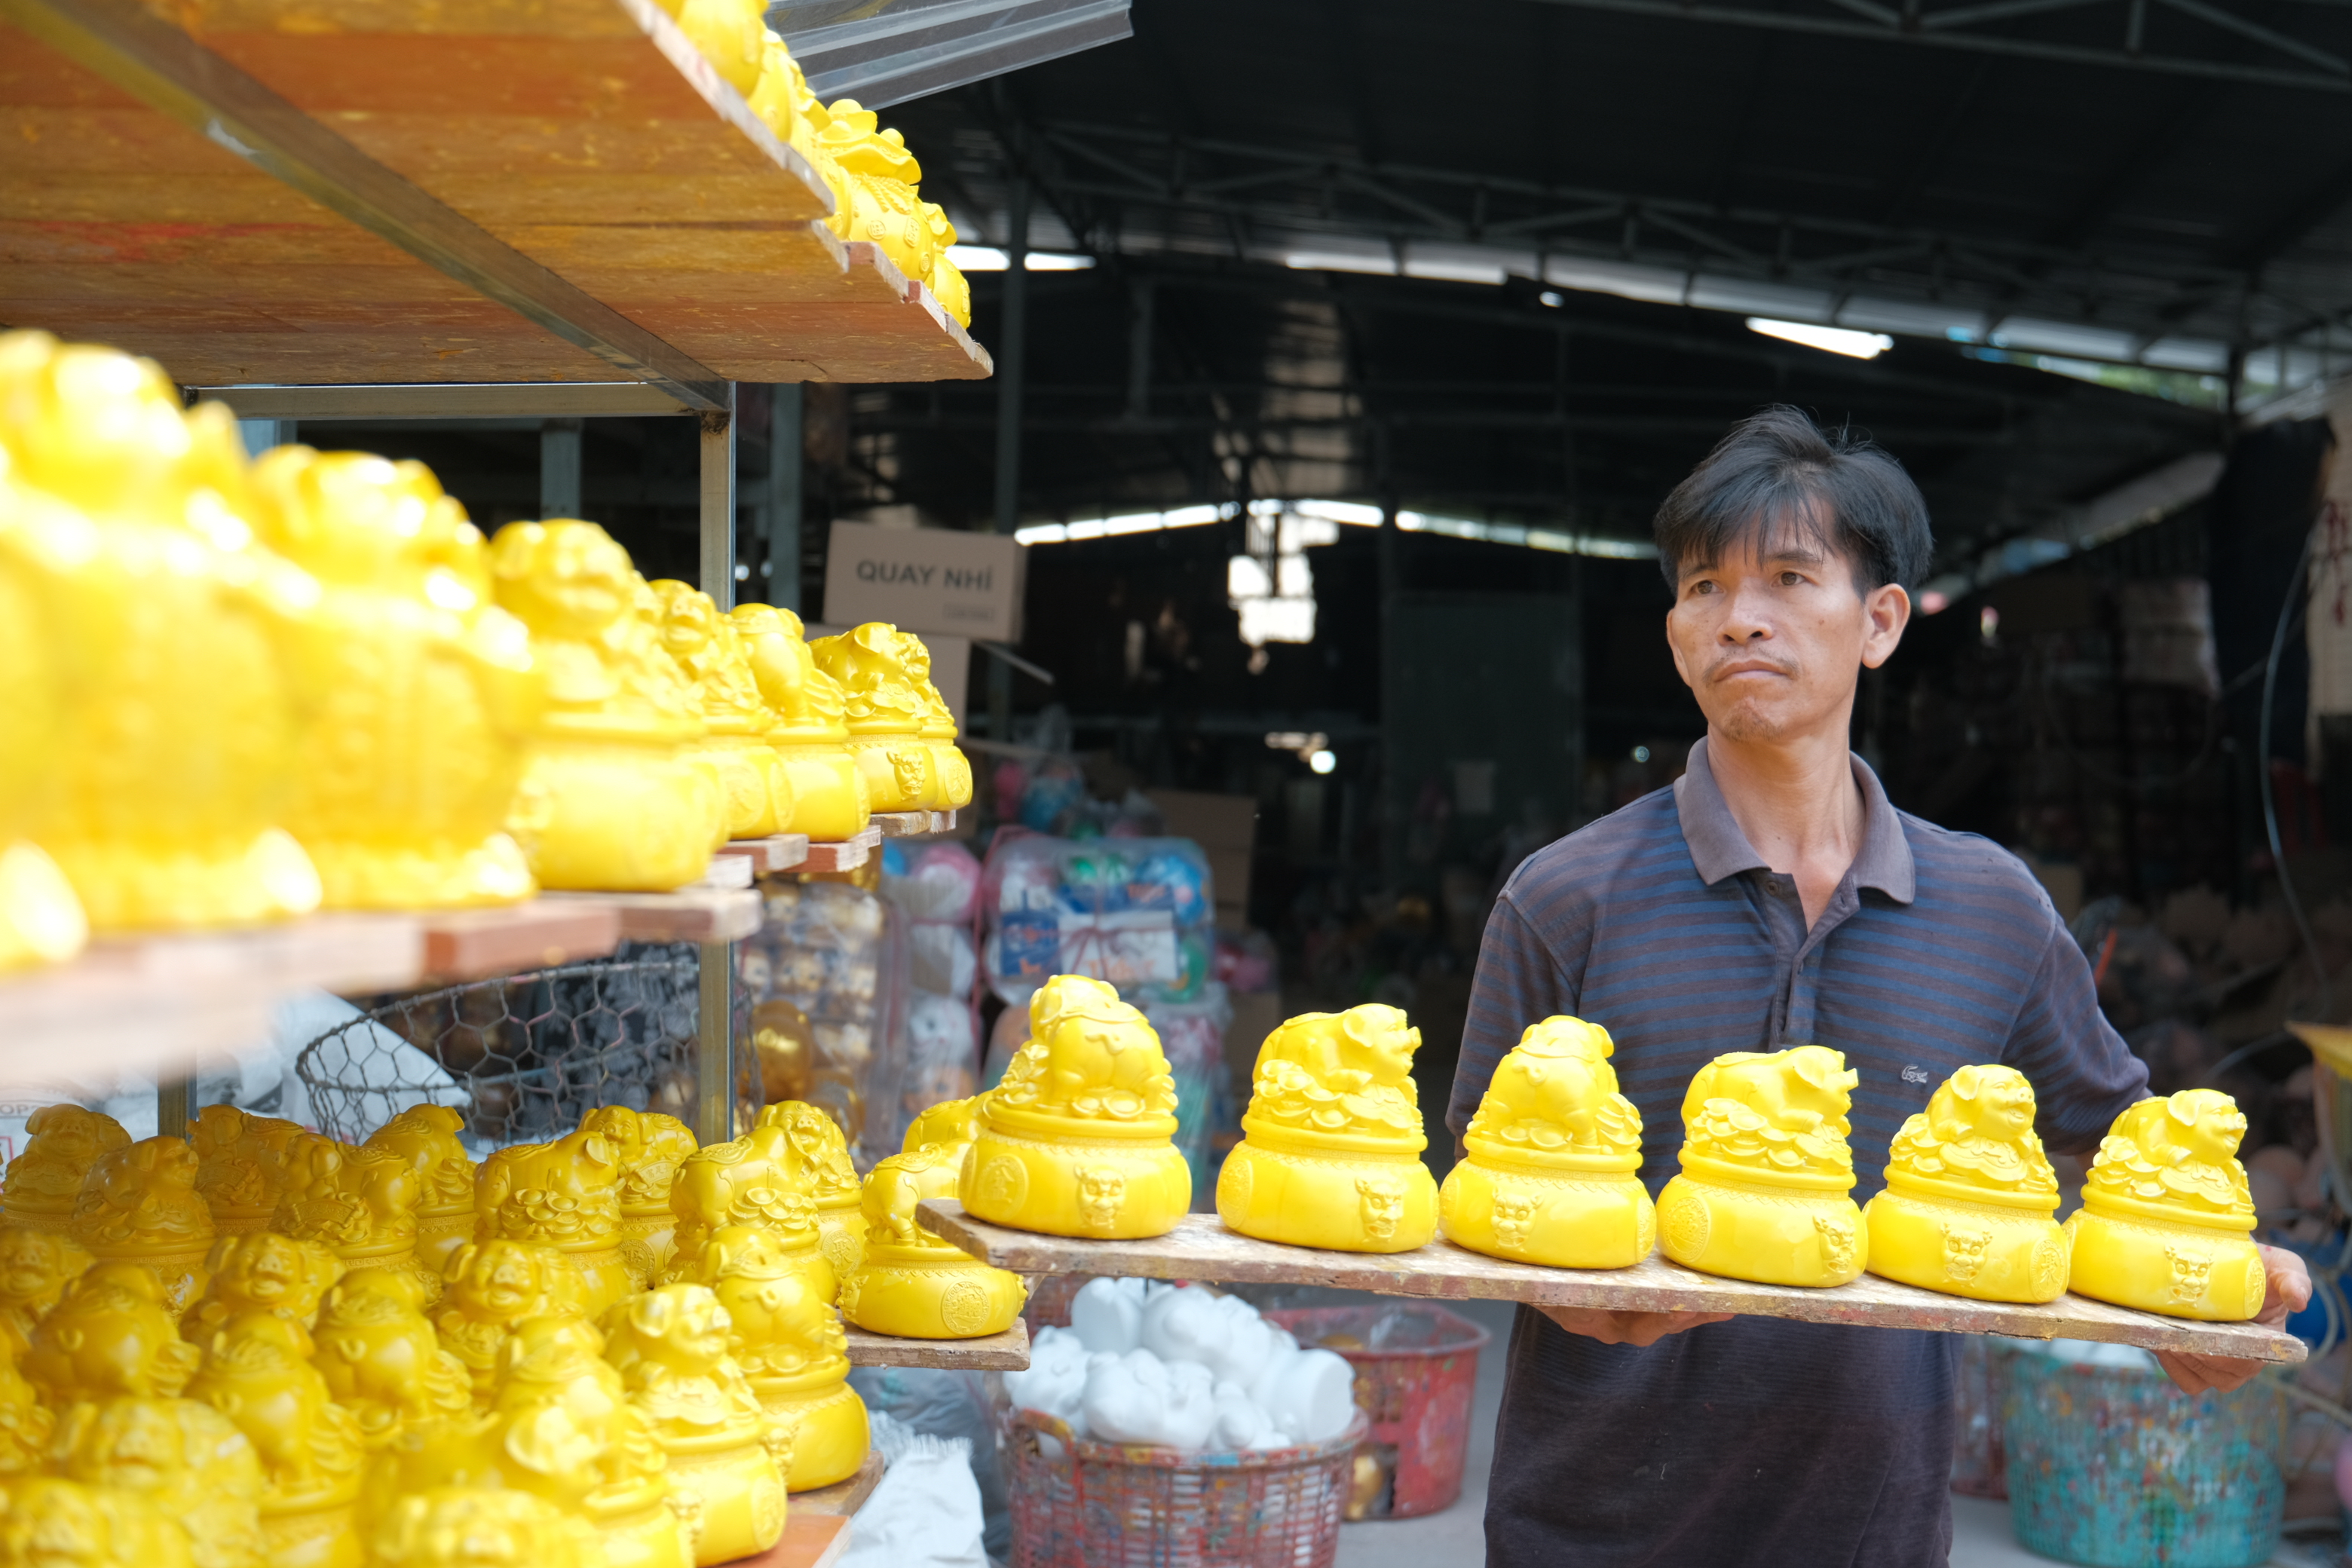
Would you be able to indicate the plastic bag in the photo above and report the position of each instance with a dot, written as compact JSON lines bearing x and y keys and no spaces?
{"x":835,"y":953}
{"x":954,"y":1405}
{"x":925,"y":1513}
{"x":1133,"y":912}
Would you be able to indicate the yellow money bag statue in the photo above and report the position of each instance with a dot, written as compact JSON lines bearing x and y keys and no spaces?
{"x":185,"y":1458}
{"x":725,"y":1450}
{"x":41,"y":543}
{"x":261,"y":1272}
{"x":2165,"y":1218}
{"x":173,"y":634}
{"x":657,"y":1146}
{"x":1970,"y":1196}
{"x":790,"y":1346}
{"x":946,"y":282}
{"x":730,"y":34}
{"x":240,"y":1163}
{"x":109,"y":1336}
{"x":909,"y":1283}
{"x":50,"y":1523}
{"x":886,"y":713}
{"x":358,"y":1201}
{"x":428,"y":693}
{"x":490,"y":1290}
{"x":140,"y":1206}
{"x":566,"y":1195}
{"x":1078,"y":1139}
{"x":754,"y":1180}
{"x":25,"y":1424}
{"x":881,"y":176}
{"x":479,"y":1527}
{"x":610,"y":799}
{"x":427,"y":1137}
{"x":775,"y":96}
{"x":36,"y":1268}
{"x":831,"y":799}
{"x":708,"y":649}
{"x":257,"y":1372}
{"x":1766,"y":1171}
{"x":1331,"y":1152}
{"x":950,"y":773}
{"x":382,"y":1360}
{"x":43,"y":1184}
{"x":820,"y":1156}
{"x":1552,"y":1152}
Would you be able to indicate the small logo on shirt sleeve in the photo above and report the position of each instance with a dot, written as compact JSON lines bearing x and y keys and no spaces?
{"x":1914,"y":1073}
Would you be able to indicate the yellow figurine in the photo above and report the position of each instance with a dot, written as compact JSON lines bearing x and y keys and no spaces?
{"x":657,"y":1146}
{"x":36,"y":1268}
{"x":1970,"y":1196}
{"x":670,"y":1346}
{"x":880,"y":176}
{"x":50,"y":1523}
{"x":240,"y":1163}
{"x":1076,"y":1140}
{"x":382,"y":1360}
{"x":821,"y":1157}
{"x":950,"y":770}
{"x":730,"y":34}
{"x":185,"y":1458}
{"x":175,"y":635}
{"x":790,"y":1346}
{"x":109,"y":1336}
{"x":756,"y":1179}
{"x":1331,"y":1152}
{"x":478,"y":1527}
{"x":610,"y":799}
{"x":261,"y":1271}
{"x":427,"y":1137}
{"x":359,"y":1201}
{"x":1552,"y":1152}
{"x":886,"y":713}
{"x":566,"y":1194}
{"x":831,"y":800}
{"x":2166,"y":1214}
{"x":140,"y":1206}
{"x":1762,"y":1194}
{"x":257,"y":1372}
{"x":946,"y":282}
{"x":490,"y":1290}
{"x":26,"y":1422}
{"x":709,"y":649}
{"x":425,"y":692}
{"x":911,"y":1284}
{"x":43,"y":1184}
{"x":41,"y":543}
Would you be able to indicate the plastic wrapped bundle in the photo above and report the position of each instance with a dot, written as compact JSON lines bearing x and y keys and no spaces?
{"x":1134,"y":911}
{"x":834,"y":952}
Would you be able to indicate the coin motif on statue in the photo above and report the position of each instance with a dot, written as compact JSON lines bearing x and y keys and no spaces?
{"x":2050,"y":1267}
{"x":1686,"y":1227}
{"x":1234,"y":1184}
{"x":1006,"y":1181}
{"x":963,"y":1307}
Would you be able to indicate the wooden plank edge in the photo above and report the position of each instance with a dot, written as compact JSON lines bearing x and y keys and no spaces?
{"x":708,"y":914}
{"x":724,"y":100}
{"x":901,"y":824}
{"x":1007,"y":1352}
{"x":811,"y":1539}
{"x":778,"y":852}
{"x":1870,"y":1303}
{"x":474,"y":944}
{"x":843,"y":1498}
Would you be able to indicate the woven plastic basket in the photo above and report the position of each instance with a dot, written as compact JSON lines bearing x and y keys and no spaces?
{"x":1079,"y":1504}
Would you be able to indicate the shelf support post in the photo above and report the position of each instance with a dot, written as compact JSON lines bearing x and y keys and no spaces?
{"x":559,"y":468}
{"x":176,"y":1106}
{"x":714,"y":1026}
{"x":1012,"y":370}
{"x":785,"y":414}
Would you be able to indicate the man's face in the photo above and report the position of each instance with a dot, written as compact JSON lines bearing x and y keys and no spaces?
{"x":1772,"y":640}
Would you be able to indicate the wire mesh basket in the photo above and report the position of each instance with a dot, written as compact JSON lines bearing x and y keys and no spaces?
{"x":522,"y":1057}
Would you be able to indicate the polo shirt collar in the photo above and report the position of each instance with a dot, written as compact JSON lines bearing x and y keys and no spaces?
{"x":1719,"y":849}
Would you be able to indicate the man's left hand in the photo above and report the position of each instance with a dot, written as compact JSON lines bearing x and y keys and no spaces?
{"x":2288,"y":1291}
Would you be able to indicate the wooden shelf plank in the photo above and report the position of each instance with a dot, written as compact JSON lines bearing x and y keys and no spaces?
{"x":842,"y":1498}
{"x":845,"y":855}
{"x":1007,"y":1352}
{"x":811,"y":1539}
{"x":781,"y":852}
{"x":691,"y":914}
{"x":1201,"y":1248}
{"x":473,"y":944}
{"x":902,"y":823}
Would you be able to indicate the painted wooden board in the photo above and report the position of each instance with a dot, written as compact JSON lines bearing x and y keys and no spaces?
{"x":1201,"y":1248}
{"x":779,"y":852}
{"x":811,"y":1539}
{"x":473,"y":944}
{"x":691,"y":914}
{"x":842,"y":1498}
{"x":845,"y":855}
{"x":902,"y":823}
{"x":1007,"y":1352}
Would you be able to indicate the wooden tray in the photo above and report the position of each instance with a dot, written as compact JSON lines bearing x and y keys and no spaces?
{"x":812,"y":1540}
{"x":1201,"y":1248}
{"x":1007,"y":1352}
{"x":842,"y":1498}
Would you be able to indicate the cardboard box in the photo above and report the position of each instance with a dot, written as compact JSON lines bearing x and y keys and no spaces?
{"x":925,"y":580}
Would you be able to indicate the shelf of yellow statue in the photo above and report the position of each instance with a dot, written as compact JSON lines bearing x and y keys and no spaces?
{"x":1552,"y":1152}
{"x":831,"y":801}
{"x":752,"y":1180}
{"x":423,"y":694}
{"x":2165,"y":1218}
{"x":1331,"y":1149}
{"x":427,"y":1137}
{"x":174,"y":632}
{"x":885,"y":711}
{"x":1076,"y":1141}
{"x":261,"y":1272}
{"x":25,"y":1423}
{"x":556,"y":1424}
{"x":870,"y":165}
{"x":65,"y":1524}
{"x":36,"y":1267}
{"x":566,"y":1195}
{"x":41,"y":922}
{"x":724,"y":1449}
{"x":909,"y":1283}
{"x":140,"y":1206}
{"x":110,"y":1335}
{"x":42,"y":1183}
{"x":360,"y":1202}
{"x":611,"y":799}
{"x":790,"y":1344}
{"x":240,"y":1162}
{"x":488,"y":1290}
{"x":820,"y":1162}
{"x":382,"y":1360}
{"x":709,"y":650}
{"x":653,"y":1146}
{"x":257,"y":1372}
{"x":1969,"y":1197}
{"x":478,"y":1527}
{"x":1766,"y":1171}
{"x":950,"y":769}
{"x":186,"y":1459}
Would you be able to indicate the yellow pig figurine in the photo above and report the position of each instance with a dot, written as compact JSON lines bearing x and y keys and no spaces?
{"x":2167,"y":1214}
{"x":908,"y":1283}
{"x":1765,"y":1171}
{"x":1970,"y":1196}
{"x":831,"y":799}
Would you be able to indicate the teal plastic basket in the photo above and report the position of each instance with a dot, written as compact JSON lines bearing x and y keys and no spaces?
{"x":2111,"y":1466}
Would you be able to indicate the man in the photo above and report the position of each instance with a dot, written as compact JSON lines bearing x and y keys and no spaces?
{"x":1773,"y":898}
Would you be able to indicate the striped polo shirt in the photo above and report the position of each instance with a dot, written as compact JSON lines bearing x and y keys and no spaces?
{"x":1762,"y":1440}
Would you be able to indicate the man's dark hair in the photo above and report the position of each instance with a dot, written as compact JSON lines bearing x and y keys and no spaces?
{"x":1777,"y":475}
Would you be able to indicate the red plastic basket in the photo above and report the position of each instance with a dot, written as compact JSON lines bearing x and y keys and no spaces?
{"x":1416,"y":1375}
{"x":1080,"y":1504}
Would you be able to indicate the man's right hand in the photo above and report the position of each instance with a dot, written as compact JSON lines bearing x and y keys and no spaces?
{"x":1628,"y":1327}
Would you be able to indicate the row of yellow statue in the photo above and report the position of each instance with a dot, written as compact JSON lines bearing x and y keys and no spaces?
{"x":240,"y":691}
{"x":872,"y":175}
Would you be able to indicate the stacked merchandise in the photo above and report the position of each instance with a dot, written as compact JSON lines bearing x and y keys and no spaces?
{"x":934,"y":885}
{"x":825,"y":977}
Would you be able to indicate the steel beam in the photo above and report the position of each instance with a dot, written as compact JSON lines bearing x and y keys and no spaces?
{"x":173,"y":74}
{"x":714,"y":1026}
{"x":458,"y":400}
{"x":559,"y":469}
{"x":786,"y":416}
